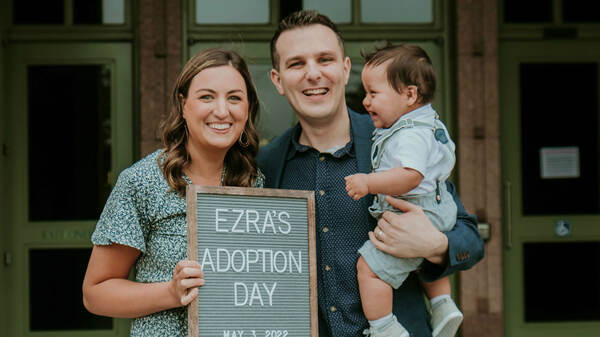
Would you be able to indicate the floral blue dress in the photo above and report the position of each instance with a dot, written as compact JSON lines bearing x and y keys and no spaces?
{"x":143,"y":212}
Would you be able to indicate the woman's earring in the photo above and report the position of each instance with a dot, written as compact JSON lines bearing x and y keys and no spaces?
{"x":243,"y":143}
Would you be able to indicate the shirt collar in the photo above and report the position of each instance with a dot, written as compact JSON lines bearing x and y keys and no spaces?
{"x":423,"y":113}
{"x":300,"y":148}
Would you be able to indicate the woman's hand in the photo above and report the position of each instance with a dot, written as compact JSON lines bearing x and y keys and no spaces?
{"x":187,"y":277}
{"x":410,"y":234}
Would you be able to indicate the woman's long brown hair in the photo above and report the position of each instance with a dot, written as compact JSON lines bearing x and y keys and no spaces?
{"x":240,"y":161}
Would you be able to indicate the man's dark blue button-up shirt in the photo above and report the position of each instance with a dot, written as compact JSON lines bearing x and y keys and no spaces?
{"x":337,"y":233}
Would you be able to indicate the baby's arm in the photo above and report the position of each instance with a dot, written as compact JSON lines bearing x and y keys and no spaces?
{"x":395,"y":181}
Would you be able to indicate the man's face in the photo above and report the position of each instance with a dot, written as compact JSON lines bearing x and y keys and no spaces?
{"x":313,"y":72}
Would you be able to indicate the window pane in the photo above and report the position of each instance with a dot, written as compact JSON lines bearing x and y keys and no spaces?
{"x":530,"y":11}
{"x":113,"y":12}
{"x":246,"y":11}
{"x":339,"y":11}
{"x":399,"y":11}
{"x":55,"y":299}
{"x":69,"y":141}
{"x":87,"y":12}
{"x":560,"y":153}
{"x":581,"y":11}
{"x":38,"y":12}
{"x":96,"y":12}
{"x":554,"y":294}
{"x":287,"y":7}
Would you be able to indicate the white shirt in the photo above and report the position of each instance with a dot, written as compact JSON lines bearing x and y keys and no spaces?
{"x":417,"y":148}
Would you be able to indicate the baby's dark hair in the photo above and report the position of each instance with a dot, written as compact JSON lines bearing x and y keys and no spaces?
{"x":410,"y":65}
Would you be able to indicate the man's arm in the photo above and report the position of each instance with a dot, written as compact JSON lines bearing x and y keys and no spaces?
{"x":411,"y":234}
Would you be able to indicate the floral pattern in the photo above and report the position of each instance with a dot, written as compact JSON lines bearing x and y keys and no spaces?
{"x":143,"y":212}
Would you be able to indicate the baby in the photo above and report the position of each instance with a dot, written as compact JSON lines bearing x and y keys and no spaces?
{"x":411,"y":157}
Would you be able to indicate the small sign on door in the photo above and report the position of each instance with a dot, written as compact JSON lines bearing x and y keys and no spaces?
{"x":559,"y":162}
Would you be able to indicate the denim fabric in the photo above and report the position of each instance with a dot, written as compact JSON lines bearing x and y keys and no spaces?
{"x":395,"y":270}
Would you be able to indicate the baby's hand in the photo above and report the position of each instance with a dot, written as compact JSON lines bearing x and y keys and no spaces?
{"x":357,"y":185}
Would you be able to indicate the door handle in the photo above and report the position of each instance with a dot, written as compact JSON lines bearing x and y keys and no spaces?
{"x":508,"y":208}
{"x":7,"y":258}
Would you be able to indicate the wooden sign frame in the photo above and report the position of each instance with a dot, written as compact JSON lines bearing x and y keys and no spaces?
{"x":273,"y":196}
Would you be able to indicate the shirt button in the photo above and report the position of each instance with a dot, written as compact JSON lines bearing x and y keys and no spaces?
{"x":325,"y":229}
{"x":327,"y":268}
{"x":321,"y":192}
{"x":332,"y":308}
{"x":321,"y":158}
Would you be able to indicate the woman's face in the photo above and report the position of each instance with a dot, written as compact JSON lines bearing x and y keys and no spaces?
{"x":215,"y":109}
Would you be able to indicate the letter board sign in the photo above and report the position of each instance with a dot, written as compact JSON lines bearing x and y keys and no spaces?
{"x":257,"y":251}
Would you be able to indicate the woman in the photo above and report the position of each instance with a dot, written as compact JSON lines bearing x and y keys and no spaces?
{"x":209,"y":139}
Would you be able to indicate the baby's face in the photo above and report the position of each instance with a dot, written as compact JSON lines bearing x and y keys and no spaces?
{"x":384,"y":104}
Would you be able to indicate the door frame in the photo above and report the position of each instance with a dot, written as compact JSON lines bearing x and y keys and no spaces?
{"x":22,"y":234}
{"x":539,"y":228}
{"x":3,"y":192}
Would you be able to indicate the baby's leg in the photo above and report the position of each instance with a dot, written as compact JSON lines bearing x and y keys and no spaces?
{"x":437,"y":288}
{"x":375,"y":294}
{"x":376,"y":297}
{"x":445,"y":315}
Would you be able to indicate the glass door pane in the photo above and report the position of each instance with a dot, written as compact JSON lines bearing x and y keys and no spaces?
{"x":69,"y":109}
{"x":572,"y":298}
{"x":399,"y":11}
{"x":339,"y":11}
{"x":55,"y":297}
{"x":38,"y":12}
{"x":220,"y":12}
{"x":560,"y":138}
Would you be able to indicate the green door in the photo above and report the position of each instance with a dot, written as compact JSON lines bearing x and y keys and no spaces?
{"x":549,"y":111}
{"x":68,"y":132}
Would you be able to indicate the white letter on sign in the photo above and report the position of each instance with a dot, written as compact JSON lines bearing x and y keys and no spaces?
{"x":289,"y":227}
{"x":207,"y":261}
{"x":270,"y":292}
{"x":217,"y":220}
{"x":235,"y":294}
{"x":256,"y":295}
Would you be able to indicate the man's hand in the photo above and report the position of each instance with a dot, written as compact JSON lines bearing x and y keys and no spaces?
{"x":410,"y":234}
{"x":357,"y":185}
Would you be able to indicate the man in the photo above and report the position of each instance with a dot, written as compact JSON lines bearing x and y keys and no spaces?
{"x":330,"y":142}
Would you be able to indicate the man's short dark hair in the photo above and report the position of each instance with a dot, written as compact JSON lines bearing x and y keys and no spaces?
{"x":299,"y":19}
{"x":410,"y":65}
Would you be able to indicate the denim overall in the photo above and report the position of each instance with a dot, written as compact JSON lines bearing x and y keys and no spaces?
{"x":438,"y":205}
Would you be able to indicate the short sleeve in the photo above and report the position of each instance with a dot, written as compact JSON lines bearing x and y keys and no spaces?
{"x":408,"y":148}
{"x":120,"y":220}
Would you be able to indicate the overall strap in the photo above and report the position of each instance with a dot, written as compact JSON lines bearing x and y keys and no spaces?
{"x":379,"y":141}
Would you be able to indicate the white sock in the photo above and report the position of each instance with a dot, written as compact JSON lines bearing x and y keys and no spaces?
{"x":439,"y":298}
{"x":383,"y":321}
